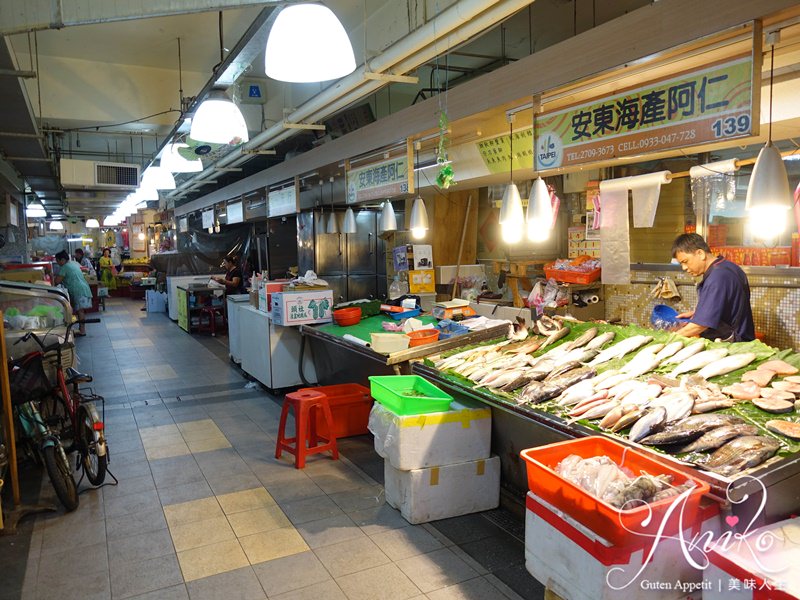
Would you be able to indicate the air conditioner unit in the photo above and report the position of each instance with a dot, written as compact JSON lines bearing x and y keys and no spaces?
{"x":88,"y":174}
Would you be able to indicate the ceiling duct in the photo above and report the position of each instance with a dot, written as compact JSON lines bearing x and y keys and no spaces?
{"x":88,"y":175}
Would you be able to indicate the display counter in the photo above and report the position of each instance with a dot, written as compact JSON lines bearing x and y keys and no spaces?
{"x":190,"y":300}
{"x":339,"y":360}
{"x":519,"y":426}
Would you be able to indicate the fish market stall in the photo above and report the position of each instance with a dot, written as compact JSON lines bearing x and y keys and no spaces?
{"x":724,"y":411}
{"x":344,"y":354}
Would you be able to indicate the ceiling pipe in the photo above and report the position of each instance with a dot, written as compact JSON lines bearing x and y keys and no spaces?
{"x":453,"y":26}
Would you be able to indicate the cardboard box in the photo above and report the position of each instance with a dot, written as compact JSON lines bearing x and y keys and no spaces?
{"x":408,"y":442}
{"x":301,"y":308}
{"x":156,"y":301}
{"x":424,"y":495}
{"x":422,"y":282}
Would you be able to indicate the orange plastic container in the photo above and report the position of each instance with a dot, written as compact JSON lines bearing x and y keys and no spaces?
{"x":422,"y":336}
{"x":571,"y":276}
{"x":619,"y":527}
{"x":350,"y":405}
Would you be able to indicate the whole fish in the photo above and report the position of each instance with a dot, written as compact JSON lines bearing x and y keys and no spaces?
{"x":687,"y":352}
{"x":641,"y":396}
{"x":718,"y":436}
{"x":699,"y":360}
{"x":561,"y":369}
{"x":612,"y":381}
{"x":616,"y":415}
{"x":742,"y":453}
{"x":627,"y":420}
{"x":641,"y":365}
{"x":545,"y":325}
{"x":603,"y":376}
{"x":545,"y":391}
{"x":523,"y":379}
{"x":555,"y":336}
{"x":706,"y":406}
{"x":652,"y":421}
{"x":588,"y":404}
{"x":502,"y":379}
{"x":620,"y":349}
{"x":678,"y":405}
{"x":601,"y":340}
{"x":728,"y":364}
{"x":601,"y":410}
{"x":575,"y":393}
{"x":690,"y":429}
{"x":669,"y":350}
{"x":583,"y":339}
{"x":621,"y":390}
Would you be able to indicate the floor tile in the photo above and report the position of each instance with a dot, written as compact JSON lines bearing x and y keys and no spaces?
{"x":436,"y":570}
{"x":192,"y":511}
{"x":311,"y":509}
{"x":132,"y":578}
{"x":289,"y":573}
{"x":214,"y":559}
{"x":379,"y":519}
{"x":245,"y":500}
{"x":359,"y":498}
{"x":223,"y":483}
{"x":328,"y":590}
{"x":408,"y":541}
{"x":151,"y":519}
{"x":497,"y":551}
{"x":469,"y":590}
{"x":467,"y":528}
{"x":331,"y":530}
{"x":194,"y":490}
{"x":351,"y":556}
{"x":166,"y":451}
{"x":257,"y":521}
{"x":140,"y":547}
{"x":175,"y":592}
{"x":386,"y":582}
{"x":96,"y":586}
{"x":61,"y":565}
{"x":186,"y":536}
{"x":240,"y":584}
{"x":269,"y":545}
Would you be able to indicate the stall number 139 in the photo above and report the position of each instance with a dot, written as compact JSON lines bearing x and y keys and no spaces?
{"x":731,"y":126}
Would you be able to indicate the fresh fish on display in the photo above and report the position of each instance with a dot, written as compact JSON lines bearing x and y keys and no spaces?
{"x":690,"y":429}
{"x":744,"y":390}
{"x":581,"y":406}
{"x":742,"y":453}
{"x":662,"y":380}
{"x":787,"y":386}
{"x":601,"y":340}
{"x":699,"y":360}
{"x":560,"y":369}
{"x":652,"y":421}
{"x":772,"y":393}
{"x":583,"y":339}
{"x":624,"y":388}
{"x":774,"y":405}
{"x":669,"y":350}
{"x":545,"y":325}
{"x":730,"y":363}
{"x":718,"y":436}
{"x":600,"y":410}
{"x":687,"y":352}
{"x":620,"y":349}
{"x":575,"y":393}
{"x":603,"y":376}
{"x":788,"y":428}
{"x":778,"y":366}
{"x":678,"y":405}
{"x":555,"y":336}
{"x":627,"y":420}
{"x":536,"y":391}
{"x":499,"y":379}
{"x":518,"y":330}
{"x":711,"y":405}
{"x":760,"y":376}
{"x":643,"y":363}
{"x":612,"y":381}
{"x":579,"y":355}
{"x":526,"y":347}
{"x":617,"y":414}
{"x":642,"y":396}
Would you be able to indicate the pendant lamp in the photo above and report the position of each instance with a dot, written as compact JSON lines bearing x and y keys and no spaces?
{"x":158,"y":178}
{"x":219,"y":121}
{"x":307,"y":43}
{"x":143,"y":194}
{"x":419,"y":216}
{"x":768,"y":194}
{"x":35,"y":210}
{"x":388,"y":218}
{"x":175,"y":163}
{"x":56,"y":226}
{"x":333,"y":225}
{"x":110,"y":221}
{"x":92,"y":224}
{"x":540,"y":212}
{"x":349,"y":225}
{"x":511,"y":215}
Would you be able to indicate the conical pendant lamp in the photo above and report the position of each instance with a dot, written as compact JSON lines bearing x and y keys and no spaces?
{"x":768,"y":194}
{"x":388,"y":218}
{"x":540,"y":212}
{"x":419,"y":218}
{"x":511,"y":215}
{"x":349,"y":225}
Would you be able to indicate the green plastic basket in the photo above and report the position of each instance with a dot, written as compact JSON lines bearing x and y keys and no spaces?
{"x":408,"y":394}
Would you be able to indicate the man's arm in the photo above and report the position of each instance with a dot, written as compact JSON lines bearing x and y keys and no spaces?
{"x":691,"y":330}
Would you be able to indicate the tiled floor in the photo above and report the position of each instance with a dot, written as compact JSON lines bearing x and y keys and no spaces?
{"x":204,"y":510}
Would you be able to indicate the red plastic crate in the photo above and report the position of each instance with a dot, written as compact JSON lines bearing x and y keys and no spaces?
{"x":604,"y":519}
{"x":571,"y":276}
{"x":350,"y":405}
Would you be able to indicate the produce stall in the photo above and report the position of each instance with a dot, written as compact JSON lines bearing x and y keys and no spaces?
{"x":341,"y":360}
{"x":550,"y":415}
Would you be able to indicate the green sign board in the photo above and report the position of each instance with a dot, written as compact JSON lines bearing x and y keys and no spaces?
{"x":380,"y":180}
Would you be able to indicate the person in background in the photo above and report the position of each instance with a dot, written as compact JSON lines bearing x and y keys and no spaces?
{"x":233,"y":275}
{"x":107,"y":270}
{"x":83,"y":261}
{"x":70,"y":274}
{"x":723,"y":296}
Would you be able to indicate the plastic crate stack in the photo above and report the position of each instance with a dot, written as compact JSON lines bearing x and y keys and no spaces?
{"x":438,"y":464}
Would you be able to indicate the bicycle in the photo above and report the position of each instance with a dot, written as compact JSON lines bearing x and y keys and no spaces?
{"x":29,"y":383}
{"x":75,"y":411}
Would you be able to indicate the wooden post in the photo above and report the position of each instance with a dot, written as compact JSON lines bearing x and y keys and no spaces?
{"x":8,"y":415}
{"x":461,"y":247}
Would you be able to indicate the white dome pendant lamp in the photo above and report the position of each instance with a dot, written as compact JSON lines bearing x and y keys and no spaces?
{"x":219,"y":121}
{"x":307,"y":43}
{"x":511,"y":215}
{"x":768,"y":194}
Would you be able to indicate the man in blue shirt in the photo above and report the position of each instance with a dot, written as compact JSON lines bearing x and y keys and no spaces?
{"x":723,"y":296}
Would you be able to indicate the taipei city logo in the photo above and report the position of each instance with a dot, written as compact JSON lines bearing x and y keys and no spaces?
{"x":549,"y":151}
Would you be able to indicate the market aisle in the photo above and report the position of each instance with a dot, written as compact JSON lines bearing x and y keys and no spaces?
{"x":203,"y":510}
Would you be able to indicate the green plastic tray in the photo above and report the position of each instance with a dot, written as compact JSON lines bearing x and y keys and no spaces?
{"x":392,"y":392}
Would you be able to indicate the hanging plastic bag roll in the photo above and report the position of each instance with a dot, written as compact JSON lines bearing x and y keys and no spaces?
{"x":354,"y":339}
{"x":714,"y":168}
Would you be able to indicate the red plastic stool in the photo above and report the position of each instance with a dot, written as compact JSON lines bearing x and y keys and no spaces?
{"x":212,"y":312}
{"x":305,"y":404}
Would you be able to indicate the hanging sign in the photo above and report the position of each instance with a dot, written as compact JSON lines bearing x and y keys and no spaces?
{"x":282,"y":202}
{"x":235,"y":213}
{"x":379,"y":180}
{"x":709,"y":104}
{"x":183,"y":225}
{"x":496,"y":152}
{"x":208,"y":219}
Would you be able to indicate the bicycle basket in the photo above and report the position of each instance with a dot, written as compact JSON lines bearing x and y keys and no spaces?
{"x":27,"y":379}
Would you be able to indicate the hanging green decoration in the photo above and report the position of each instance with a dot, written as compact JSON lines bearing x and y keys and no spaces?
{"x":444,"y":179}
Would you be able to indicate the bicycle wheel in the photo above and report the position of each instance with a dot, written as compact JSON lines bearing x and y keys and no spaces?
{"x":60,"y":473}
{"x":93,"y":464}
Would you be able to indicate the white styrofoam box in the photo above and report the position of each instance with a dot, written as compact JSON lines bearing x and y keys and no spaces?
{"x":156,"y":301}
{"x":416,"y":441}
{"x":575,"y":563}
{"x":423,"y":495}
{"x":765,"y":566}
